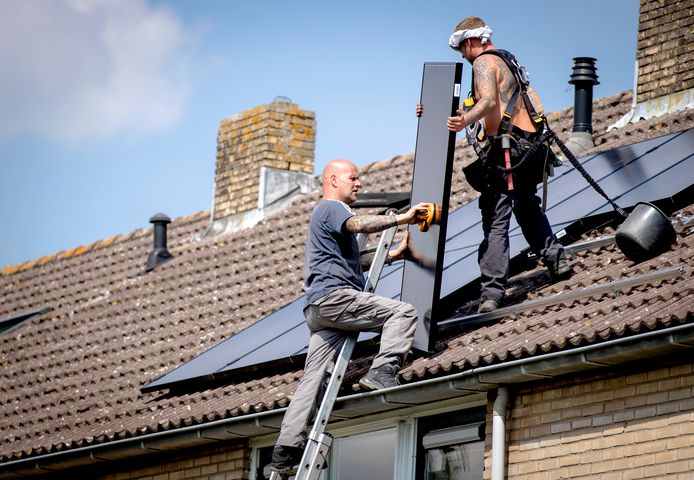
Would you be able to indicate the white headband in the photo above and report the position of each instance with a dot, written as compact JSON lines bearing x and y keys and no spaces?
{"x":459,"y":36}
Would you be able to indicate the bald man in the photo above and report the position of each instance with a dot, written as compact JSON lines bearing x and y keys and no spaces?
{"x":337,"y":307}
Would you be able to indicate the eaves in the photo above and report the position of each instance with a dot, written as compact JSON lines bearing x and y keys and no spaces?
{"x":673,"y":342}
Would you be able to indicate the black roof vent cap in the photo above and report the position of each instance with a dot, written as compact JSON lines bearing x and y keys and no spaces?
{"x":584,"y":76}
{"x":159,"y":253}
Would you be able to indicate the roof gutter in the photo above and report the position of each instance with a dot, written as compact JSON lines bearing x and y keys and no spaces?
{"x":665,"y":342}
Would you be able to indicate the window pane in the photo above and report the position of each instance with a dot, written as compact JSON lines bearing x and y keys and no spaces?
{"x":369,"y":455}
{"x":455,"y":462}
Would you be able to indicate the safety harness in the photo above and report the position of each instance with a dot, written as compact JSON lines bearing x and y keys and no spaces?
{"x":533,"y":107}
{"x":544,"y":133}
{"x":523,"y":90}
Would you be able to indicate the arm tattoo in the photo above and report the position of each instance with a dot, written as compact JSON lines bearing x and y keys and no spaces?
{"x":370,"y":223}
{"x":484,"y":74}
{"x":485,"y":89}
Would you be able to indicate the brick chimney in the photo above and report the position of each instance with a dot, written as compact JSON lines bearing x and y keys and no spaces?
{"x":664,"y":49}
{"x":664,"y":78}
{"x":265,"y":156}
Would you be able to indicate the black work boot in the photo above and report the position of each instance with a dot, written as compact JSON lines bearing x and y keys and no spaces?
{"x":381,"y":377}
{"x":285,"y":459}
{"x":487,"y":306}
{"x":562,"y":272}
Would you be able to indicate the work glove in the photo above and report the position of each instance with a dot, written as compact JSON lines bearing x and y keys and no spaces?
{"x":432,"y":216}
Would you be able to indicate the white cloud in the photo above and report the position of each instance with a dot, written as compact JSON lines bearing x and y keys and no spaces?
{"x":76,"y":69}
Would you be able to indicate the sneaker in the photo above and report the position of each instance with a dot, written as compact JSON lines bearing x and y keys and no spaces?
{"x":285,"y":459}
{"x":562,"y":272}
{"x":382,"y":377}
{"x":488,"y":306}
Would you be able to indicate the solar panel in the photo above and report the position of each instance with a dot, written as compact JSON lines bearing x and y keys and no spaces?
{"x":431,"y":182}
{"x":280,"y":338}
{"x":646,"y":171}
{"x":15,"y":320}
{"x":618,"y":172}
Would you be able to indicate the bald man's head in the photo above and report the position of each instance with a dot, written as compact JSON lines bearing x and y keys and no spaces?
{"x":341,"y":181}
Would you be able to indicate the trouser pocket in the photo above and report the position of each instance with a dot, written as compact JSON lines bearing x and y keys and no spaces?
{"x":330,"y":307}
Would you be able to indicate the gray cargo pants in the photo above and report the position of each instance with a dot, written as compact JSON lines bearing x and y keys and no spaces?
{"x":331,"y":320}
{"x":493,"y":254}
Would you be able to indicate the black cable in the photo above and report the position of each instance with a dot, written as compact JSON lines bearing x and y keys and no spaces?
{"x":550,"y":135}
{"x":577,"y":165}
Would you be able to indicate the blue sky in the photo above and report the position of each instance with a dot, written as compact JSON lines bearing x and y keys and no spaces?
{"x":110,"y":109}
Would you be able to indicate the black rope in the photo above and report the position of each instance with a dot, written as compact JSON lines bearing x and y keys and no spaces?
{"x":577,"y":165}
{"x":550,"y":135}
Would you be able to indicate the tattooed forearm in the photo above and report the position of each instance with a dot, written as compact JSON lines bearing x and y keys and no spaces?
{"x":370,"y":223}
{"x":366,"y":259}
{"x":482,"y":107}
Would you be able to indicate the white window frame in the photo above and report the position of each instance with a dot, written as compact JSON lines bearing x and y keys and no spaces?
{"x":406,"y":441}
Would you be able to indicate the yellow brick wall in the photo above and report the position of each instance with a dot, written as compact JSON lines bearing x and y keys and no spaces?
{"x":665,"y":48}
{"x":228,"y":462}
{"x":278,"y":135}
{"x":618,"y":427}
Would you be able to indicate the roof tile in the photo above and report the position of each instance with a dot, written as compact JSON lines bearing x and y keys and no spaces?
{"x":71,"y":377}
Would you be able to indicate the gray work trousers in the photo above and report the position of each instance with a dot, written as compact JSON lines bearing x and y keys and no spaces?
{"x":493,"y":255}
{"x":331,"y":320}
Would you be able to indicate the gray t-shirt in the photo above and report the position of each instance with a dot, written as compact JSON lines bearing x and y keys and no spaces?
{"x":331,"y":261}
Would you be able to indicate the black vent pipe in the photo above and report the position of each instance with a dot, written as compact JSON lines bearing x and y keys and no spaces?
{"x":584,"y":76}
{"x":159,"y":254}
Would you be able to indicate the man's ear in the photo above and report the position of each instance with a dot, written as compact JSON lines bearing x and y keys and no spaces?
{"x":333,"y":180}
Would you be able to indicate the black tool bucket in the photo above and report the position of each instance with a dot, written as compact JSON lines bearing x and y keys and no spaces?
{"x":645,"y":233}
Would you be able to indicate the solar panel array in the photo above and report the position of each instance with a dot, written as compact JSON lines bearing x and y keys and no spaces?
{"x":646,"y":171}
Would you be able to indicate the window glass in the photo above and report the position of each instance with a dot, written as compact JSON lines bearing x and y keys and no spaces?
{"x":464,"y":461}
{"x":364,"y":456}
{"x":451,"y":445}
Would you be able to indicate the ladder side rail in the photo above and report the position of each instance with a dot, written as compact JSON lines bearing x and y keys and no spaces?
{"x":379,"y":259}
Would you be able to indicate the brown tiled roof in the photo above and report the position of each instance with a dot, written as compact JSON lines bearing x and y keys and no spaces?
{"x":587,"y":320}
{"x":71,"y":377}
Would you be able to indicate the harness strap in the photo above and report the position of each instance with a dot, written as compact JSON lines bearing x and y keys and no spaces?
{"x":534,"y":115}
{"x":521,"y":89}
{"x":506,"y":125}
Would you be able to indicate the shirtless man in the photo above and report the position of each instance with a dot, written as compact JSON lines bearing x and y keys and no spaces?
{"x":494,"y":85}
